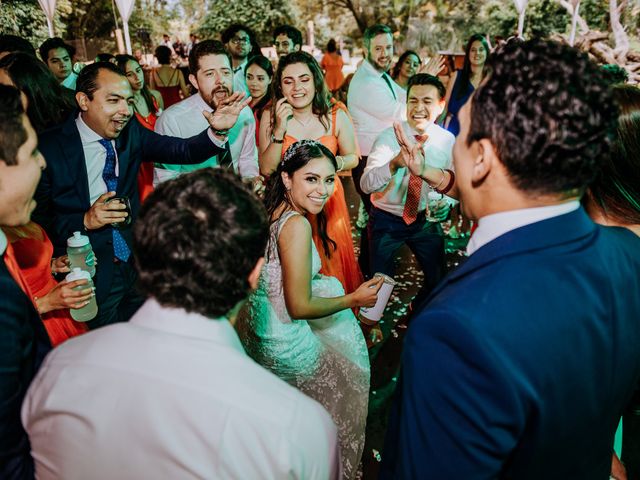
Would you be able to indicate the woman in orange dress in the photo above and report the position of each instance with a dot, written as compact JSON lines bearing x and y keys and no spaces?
{"x":332,"y":64}
{"x":33,"y":250}
{"x":302,"y":110}
{"x":148,"y":105}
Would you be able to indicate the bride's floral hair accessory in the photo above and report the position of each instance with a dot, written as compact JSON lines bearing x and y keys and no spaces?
{"x":293,"y":149}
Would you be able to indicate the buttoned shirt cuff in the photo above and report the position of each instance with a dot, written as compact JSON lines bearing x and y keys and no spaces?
{"x":215,"y":141}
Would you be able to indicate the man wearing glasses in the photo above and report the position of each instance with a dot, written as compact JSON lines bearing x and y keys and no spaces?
{"x":238,"y":40}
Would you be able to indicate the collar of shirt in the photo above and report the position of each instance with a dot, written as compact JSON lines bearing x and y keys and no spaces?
{"x":241,"y":66}
{"x":86,"y":134}
{"x":412,"y":133}
{"x":201,"y":104}
{"x":178,"y":321}
{"x":3,"y":242}
{"x":497,"y":224}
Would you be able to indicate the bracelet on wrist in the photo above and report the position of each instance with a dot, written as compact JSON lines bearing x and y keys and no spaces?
{"x":221,"y":133}
{"x":449,"y":185}
{"x":276,"y":140}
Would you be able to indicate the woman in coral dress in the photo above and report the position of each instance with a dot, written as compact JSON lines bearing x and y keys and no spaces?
{"x":302,"y":110}
{"x":33,"y":253}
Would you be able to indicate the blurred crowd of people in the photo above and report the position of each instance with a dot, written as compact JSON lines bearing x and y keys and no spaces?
{"x":205,"y":198}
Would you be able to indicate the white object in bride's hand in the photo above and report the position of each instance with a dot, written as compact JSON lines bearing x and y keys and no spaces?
{"x":371,"y":316}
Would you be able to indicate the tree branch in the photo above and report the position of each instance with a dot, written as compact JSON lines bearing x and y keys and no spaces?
{"x":620,"y":37}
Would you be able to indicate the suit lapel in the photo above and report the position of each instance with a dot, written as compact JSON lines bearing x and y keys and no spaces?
{"x":74,"y":157}
{"x":555,"y":231}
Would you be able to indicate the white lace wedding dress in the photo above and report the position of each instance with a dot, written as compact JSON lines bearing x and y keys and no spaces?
{"x":325,"y":358}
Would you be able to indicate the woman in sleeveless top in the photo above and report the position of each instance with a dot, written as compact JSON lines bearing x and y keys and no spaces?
{"x":258,"y":75}
{"x":302,"y":110}
{"x":332,"y":64}
{"x":33,"y":250}
{"x":463,"y":82}
{"x":148,"y":105}
{"x":168,"y":80}
{"x":298,"y":322}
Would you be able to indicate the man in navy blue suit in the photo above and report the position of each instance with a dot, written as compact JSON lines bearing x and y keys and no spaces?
{"x":95,"y":156}
{"x":522,"y":361}
{"x":23,"y":340}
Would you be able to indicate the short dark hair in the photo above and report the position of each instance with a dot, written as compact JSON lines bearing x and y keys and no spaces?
{"x":263,"y":62}
{"x":292,"y":32}
{"x":53,"y":43}
{"x":163,"y":54}
{"x":549,"y":113}
{"x":13,"y":43}
{"x":374,"y":31}
{"x":426,"y":79}
{"x":197,"y":239}
{"x":204,"y":48}
{"x":105,"y":57}
{"x":87,"y":81}
{"x":229,"y":32}
{"x":49,"y":102}
{"x":12,"y":132}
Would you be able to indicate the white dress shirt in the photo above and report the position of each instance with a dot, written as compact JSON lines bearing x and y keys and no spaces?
{"x":372,"y":104}
{"x":3,"y":243}
{"x":95,"y":156}
{"x":185,"y":119}
{"x":172,"y":395}
{"x":239,"y":79}
{"x":70,"y":81}
{"x":389,"y":192}
{"x":497,"y":224}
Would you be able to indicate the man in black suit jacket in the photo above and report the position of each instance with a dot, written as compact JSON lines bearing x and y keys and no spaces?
{"x":95,"y":156}
{"x":23,"y":340}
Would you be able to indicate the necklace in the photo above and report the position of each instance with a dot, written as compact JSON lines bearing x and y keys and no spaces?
{"x":303,"y":123}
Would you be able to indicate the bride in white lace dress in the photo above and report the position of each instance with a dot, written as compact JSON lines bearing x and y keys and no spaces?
{"x":299,"y":323}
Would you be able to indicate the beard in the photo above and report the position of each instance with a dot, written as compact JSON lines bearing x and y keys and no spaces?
{"x":212,"y":101}
{"x":377,"y":66}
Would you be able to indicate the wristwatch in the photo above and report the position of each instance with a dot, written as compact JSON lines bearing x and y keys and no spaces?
{"x":275,"y":140}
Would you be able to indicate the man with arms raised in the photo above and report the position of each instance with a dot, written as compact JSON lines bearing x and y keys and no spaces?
{"x":95,"y":156}
{"x":23,"y":340}
{"x":400,"y":199}
{"x":172,"y":394}
{"x":212,"y":76}
{"x":524,"y":358}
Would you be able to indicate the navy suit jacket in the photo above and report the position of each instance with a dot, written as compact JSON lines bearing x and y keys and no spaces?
{"x":63,"y":192}
{"x":522,"y":361}
{"x":23,"y":345}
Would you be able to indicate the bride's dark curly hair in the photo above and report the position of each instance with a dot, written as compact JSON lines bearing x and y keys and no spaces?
{"x":296,"y":157}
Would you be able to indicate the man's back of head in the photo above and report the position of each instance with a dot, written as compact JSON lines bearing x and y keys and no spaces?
{"x":544,"y":116}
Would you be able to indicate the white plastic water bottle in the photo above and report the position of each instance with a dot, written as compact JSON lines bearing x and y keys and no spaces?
{"x":80,"y":253}
{"x":90,"y":310}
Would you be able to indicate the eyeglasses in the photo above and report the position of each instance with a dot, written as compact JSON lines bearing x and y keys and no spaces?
{"x":239,"y":40}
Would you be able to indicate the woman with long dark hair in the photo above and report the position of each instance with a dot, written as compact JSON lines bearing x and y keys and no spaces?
{"x":464,"y":82}
{"x":302,"y":109}
{"x":167,"y":79}
{"x":258,"y":75}
{"x":299,"y":323}
{"x":49,"y":103}
{"x":332,"y":64}
{"x":406,"y":67}
{"x":147,"y":106}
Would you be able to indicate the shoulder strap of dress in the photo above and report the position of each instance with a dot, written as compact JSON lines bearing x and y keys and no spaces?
{"x":173,"y":75}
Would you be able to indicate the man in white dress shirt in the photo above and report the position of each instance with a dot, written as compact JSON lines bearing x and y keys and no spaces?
{"x":239,"y":40}
{"x":172,"y":394}
{"x":212,"y":76}
{"x":375,"y":101}
{"x":400,"y":199}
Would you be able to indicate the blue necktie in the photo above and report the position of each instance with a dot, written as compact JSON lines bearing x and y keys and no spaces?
{"x":120,"y":248}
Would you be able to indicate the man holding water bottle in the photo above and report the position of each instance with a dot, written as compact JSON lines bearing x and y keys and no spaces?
{"x":406,"y":210}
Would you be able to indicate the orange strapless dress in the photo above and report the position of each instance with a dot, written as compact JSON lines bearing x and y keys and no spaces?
{"x":33,"y":256}
{"x":342,"y":264}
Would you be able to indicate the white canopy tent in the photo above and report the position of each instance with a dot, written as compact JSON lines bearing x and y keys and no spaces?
{"x":521,"y":7}
{"x":49,"y":8}
{"x":125,"y":7}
